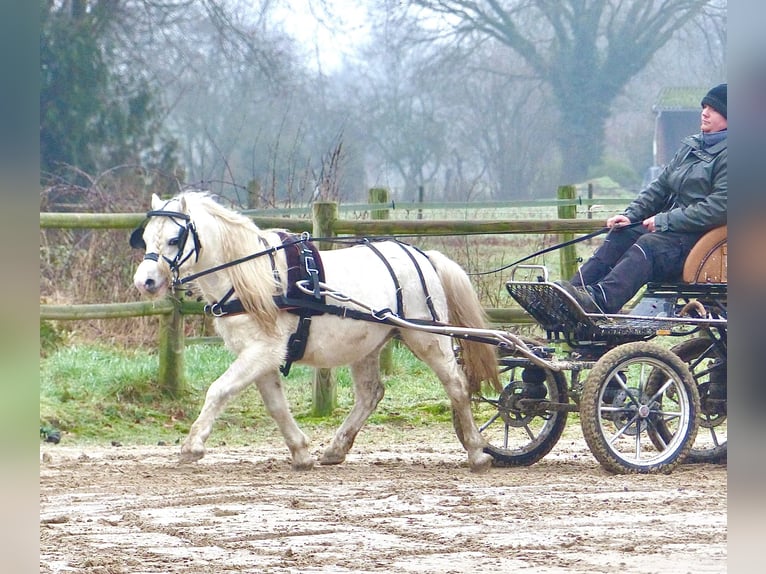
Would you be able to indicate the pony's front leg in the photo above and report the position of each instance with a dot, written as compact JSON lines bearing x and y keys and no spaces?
{"x":237,"y":377}
{"x":270,"y":387}
{"x":368,"y":391}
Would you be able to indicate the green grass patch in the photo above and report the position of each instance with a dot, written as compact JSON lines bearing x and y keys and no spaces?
{"x":94,"y":393}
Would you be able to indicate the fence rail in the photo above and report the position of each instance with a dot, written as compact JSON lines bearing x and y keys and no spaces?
{"x":324,"y":223}
{"x":270,"y":216}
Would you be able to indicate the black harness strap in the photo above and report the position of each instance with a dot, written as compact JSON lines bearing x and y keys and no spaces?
{"x":296,"y":344}
{"x":185,"y":230}
{"x":303,"y":262}
{"x":378,"y":316}
{"x":429,"y":300}
{"x":270,"y":252}
{"x":226,"y":305}
{"x":397,"y":286}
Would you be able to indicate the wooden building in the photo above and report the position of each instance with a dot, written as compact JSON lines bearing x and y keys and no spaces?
{"x":678,"y":115}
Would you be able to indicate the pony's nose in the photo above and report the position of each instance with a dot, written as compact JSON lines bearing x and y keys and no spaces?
{"x":147,"y":286}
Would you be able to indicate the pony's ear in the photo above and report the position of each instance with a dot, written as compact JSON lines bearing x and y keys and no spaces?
{"x":182,"y":204}
{"x":156,"y":201}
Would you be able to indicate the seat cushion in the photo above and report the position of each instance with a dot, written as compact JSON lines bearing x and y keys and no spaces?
{"x":707,"y":261}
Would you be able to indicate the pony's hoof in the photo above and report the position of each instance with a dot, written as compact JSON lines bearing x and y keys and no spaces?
{"x":189,"y":456}
{"x":481,"y":464}
{"x":303,"y":465}
{"x":329,"y":459}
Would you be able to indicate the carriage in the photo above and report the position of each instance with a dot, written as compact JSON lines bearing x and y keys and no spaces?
{"x":645,"y":404}
{"x":655,"y":390}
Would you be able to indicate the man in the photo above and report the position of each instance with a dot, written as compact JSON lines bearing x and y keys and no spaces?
{"x":687,"y":199}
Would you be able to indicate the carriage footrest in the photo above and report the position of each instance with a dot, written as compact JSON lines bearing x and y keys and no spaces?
{"x":552,"y":307}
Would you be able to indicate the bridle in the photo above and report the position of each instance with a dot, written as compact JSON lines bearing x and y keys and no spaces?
{"x":186,"y":229}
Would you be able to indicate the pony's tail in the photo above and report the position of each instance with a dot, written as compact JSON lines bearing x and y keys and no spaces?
{"x":479,"y":360}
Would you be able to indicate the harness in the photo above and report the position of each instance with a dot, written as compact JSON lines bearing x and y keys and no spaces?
{"x":305,"y":275}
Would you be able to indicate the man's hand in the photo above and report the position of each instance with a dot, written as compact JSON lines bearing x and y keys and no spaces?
{"x":649,"y":223}
{"x":617,"y":221}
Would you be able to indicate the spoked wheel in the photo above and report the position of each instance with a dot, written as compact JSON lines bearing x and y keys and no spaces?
{"x":628,"y":418}
{"x":519,"y":424}
{"x":707,"y":363}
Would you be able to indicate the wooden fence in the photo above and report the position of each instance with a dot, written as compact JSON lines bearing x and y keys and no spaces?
{"x":324,"y":223}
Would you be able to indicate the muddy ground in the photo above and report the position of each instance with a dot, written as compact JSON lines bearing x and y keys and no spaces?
{"x":410,"y":507}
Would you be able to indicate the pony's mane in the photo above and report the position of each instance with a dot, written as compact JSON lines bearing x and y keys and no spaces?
{"x":253,"y":281}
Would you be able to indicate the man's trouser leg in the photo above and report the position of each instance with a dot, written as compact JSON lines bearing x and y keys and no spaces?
{"x":632,"y":271}
{"x":654,"y":257}
{"x":615,"y":245}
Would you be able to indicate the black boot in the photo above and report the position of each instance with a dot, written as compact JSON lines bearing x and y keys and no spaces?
{"x":584,"y":296}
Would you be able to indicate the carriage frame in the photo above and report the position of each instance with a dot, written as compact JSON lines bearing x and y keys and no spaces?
{"x":642,"y":403}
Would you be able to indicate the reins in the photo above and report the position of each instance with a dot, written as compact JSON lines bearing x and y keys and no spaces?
{"x":270,"y":251}
{"x":137,"y":241}
{"x":554,"y":248}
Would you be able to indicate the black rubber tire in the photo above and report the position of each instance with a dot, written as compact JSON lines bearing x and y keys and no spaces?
{"x":711,"y":441}
{"x":520,"y":439}
{"x":622,"y":433}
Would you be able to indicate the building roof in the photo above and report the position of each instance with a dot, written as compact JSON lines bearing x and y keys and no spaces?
{"x":678,"y":99}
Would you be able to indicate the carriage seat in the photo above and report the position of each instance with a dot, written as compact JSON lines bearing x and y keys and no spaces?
{"x":707,"y":262}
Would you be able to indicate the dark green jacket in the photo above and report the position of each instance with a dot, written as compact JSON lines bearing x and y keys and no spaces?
{"x":690,"y":193}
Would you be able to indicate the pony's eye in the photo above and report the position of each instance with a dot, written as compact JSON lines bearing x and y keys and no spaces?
{"x":173,"y":242}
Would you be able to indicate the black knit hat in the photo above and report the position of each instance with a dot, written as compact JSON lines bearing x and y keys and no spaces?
{"x":716,"y":99}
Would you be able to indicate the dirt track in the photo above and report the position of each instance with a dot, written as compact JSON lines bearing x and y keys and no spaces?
{"x":411,"y":507}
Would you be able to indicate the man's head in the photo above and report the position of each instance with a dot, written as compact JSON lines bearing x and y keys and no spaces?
{"x":716,"y":99}
{"x":714,"y":109}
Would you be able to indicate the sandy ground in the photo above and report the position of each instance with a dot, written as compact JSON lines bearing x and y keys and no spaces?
{"x":412,"y":507}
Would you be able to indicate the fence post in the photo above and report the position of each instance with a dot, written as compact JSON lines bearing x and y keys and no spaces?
{"x":380,"y":195}
{"x":171,"y":351}
{"x":568,"y":254}
{"x":324,"y":399}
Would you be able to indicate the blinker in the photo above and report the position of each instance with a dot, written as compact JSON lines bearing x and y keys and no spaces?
{"x":137,"y":237}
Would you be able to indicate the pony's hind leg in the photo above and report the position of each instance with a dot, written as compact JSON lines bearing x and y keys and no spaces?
{"x":436,"y":352}
{"x":368,"y":391}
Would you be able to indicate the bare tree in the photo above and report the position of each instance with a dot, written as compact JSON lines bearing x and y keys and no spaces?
{"x":501,"y":125}
{"x":585,"y":51}
{"x":395,"y":96}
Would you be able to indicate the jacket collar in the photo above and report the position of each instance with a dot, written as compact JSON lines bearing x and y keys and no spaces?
{"x":695,"y":143}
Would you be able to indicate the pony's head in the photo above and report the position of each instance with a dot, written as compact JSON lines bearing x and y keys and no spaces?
{"x":172,"y":244}
{"x":170,"y":239}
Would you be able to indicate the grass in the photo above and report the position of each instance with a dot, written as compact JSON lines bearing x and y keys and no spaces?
{"x":93,"y":393}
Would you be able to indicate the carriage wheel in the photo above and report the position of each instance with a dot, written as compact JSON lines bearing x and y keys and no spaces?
{"x":517,"y":424}
{"x":707,"y":363}
{"x":628,"y":418}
